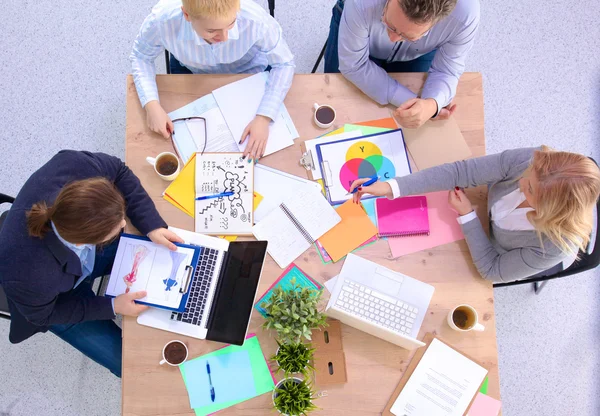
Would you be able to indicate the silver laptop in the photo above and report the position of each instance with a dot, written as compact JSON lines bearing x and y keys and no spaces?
{"x":380,"y":302}
{"x":222,"y":293}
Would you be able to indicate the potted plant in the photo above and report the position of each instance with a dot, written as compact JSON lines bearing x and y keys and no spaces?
{"x":293,"y":397}
{"x":294,"y":358}
{"x":294,"y":312}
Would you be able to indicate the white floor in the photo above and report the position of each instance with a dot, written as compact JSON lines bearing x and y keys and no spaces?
{"x":63,"y":86}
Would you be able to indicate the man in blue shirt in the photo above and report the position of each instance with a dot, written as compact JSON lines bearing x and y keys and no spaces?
{"x":368,"y":38}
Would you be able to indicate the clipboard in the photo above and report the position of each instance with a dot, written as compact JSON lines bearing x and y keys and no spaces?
{"x":398,"y":161}
{"x":413,"y":365}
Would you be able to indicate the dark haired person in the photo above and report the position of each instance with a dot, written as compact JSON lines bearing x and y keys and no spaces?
{"x":368,"y":38}
{"x":60,"y":234}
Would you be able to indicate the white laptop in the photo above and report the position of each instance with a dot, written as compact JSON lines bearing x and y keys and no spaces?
{"x":222,"y":293}
{"x":380,"y":302}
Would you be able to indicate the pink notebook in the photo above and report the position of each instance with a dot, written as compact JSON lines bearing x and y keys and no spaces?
{"x":444,"y":228}
{"x":402,"y":217}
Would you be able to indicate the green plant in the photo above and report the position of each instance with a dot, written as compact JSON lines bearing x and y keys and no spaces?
{"x":294,"y":358}
{"x":294,"y":397}
{"x":294,"y":312}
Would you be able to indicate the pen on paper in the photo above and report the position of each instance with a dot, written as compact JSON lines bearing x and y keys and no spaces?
{"x":222,"y":194}
{"x":212,"y":388}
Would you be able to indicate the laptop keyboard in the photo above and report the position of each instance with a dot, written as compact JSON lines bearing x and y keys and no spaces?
{"x":199,"y":288}
{"x":376,"y":307}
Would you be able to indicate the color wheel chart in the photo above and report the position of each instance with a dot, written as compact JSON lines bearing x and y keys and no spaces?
{"x":382,"y":155}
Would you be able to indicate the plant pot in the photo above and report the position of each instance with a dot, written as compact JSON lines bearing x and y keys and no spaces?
{"x":278,"y":365}
{"x":296,"y":380}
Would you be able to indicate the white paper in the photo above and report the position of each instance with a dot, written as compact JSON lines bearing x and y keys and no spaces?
{"x":224,"y":172}
{"x":189,"y":135}
{"x":311,"y":148}
{"x":382,"y":155}
{"x":239,"y":102}
{"x":443,"y":384}
{"x":143,"y":265}
{"x":285,"y":241}
{"x":274,"y":186}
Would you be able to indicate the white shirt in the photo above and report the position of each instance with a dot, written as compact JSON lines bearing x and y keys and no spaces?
{"x":255,"y":42}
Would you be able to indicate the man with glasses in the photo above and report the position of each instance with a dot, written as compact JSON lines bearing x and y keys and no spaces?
{"x":368,"y":38}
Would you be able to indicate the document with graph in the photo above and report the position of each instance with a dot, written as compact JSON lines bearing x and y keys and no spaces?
{"x":164,"y":274}
{"x":224,"y":194}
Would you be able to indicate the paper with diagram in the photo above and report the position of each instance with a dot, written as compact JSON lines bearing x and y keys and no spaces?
{"x":381,"y":155}
{"x":217,"y":173}
{"x":143,"y":265}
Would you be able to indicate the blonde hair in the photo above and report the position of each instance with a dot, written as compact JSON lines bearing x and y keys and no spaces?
{"x":567,"y":193}
{"x":210,"y":9}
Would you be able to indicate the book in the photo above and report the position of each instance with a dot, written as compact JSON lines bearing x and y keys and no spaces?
{"x":402,"y":217}
{"x":293,"y":226}
{"x":217,"y":173}
{"x":165,"y":275}
{"x":292,"y":272}
{"x":215,"y":122}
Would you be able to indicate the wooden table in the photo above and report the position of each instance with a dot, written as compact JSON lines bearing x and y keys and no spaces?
{"x":374,"y":366}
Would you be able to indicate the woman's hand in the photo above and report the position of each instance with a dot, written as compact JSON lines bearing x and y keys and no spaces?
{"x":459,"y":202}
{"x":125,"y":304}
{"x":158,"y":120}
{"x":377,"y":189}
{"x":258,"y":130}
{"x":165,"y":237}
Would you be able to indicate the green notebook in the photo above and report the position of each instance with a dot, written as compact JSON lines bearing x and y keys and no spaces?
{"x":263,"y":378}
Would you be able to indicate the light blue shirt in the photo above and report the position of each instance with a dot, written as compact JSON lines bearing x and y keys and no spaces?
{"x":362,"y":35}
{"x":87,"y":257}
{"x":255,"y":42}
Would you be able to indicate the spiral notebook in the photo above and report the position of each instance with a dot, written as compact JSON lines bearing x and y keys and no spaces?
{"x":402,"y":217}
{"x":295,"y":224}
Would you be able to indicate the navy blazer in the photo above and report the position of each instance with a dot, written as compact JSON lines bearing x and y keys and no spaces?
{"x":38,"y":275}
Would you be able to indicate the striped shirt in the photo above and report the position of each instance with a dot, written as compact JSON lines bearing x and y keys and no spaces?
{"x":255,"y":42}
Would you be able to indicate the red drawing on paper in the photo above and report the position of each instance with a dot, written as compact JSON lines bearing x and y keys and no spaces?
{"x":139,"y":253}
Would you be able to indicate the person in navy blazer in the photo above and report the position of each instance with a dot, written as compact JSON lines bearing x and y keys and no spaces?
{"x":61,"y":233}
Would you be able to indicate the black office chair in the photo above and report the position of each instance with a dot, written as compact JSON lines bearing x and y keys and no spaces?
{"x":271,"y":12}
{"x":587,"y":260}
{"x":4,"y":312}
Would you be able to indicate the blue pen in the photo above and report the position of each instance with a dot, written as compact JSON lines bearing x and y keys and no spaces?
{"x":212,"y":388}
{"x":367,"y":183}
{"x":202,"y":198}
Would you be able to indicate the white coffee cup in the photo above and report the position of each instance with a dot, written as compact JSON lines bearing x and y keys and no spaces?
{"x":161,"y":161}
{"x":166,"y":361}
{"x":324,"y":111}
{"x":468,"y":315}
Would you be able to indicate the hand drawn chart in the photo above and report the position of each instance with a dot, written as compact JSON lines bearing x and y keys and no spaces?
{"x":143,"y":265}
{"x":218,"y":173}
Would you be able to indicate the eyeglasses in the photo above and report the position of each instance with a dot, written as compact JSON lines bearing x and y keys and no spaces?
{"x":395,"y":31}
{"x":180,"y":120}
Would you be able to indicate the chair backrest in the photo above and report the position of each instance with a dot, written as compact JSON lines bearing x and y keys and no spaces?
{"x":590,"y":259}
{"x":4,"y":311}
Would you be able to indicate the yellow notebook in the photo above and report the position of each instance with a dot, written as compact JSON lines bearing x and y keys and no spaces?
{"x":181,"y":192}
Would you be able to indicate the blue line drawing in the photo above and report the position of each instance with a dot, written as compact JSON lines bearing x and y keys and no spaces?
{"x":171,"y":281}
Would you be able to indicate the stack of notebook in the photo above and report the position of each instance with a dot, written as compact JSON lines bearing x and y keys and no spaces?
{"x":402,"y":217}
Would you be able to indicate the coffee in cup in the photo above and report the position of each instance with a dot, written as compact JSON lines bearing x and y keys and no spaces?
{"x":464,"y":318}
{"x":174,"y":353}
{"x":324,"y":115}
{"x":166,"y":165}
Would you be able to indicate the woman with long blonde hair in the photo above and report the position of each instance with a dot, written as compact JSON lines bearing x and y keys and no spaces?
{"x":540,"y":201}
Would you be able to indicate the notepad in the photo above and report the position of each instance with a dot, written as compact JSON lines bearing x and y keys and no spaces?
{"x":181,"y":191}
{"x":262,"y":377}
{"x":402,"y":217}
{"x":295,"y":224}
{"x":484,"y":406}
{"x":353,"y":230}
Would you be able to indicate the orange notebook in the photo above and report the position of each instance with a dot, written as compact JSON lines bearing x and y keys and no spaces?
{"x":354,"y":229}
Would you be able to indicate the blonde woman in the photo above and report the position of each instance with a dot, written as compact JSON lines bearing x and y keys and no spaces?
{"x":540,"y":202}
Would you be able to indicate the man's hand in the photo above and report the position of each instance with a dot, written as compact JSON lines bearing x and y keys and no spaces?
{"x":459,"y":202}
{"x":258,"y":130}
{"x":157,"y":119}
{"x":165,"y":237}
{"x":125,"y":305}
{"x":415,"y":112}
{"x":446,"y":112}
{"x":377,"y":189}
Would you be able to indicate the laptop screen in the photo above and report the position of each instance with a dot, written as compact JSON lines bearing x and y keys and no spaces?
{"x":234,"y":296}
